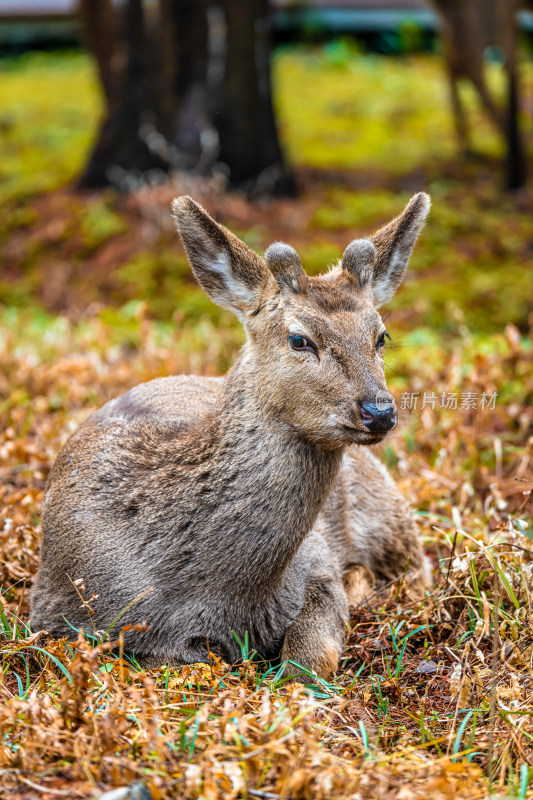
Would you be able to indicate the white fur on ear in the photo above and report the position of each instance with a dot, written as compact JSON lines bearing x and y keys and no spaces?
{"x":383,"y":289}
{"x":394,"y":244}
{"x":241,"y":296}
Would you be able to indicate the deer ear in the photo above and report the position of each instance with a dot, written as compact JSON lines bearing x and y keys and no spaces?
{"x":226,"y":268}
{"x":394,"y":244}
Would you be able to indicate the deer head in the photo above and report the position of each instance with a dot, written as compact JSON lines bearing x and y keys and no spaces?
{"x":315,"y":344}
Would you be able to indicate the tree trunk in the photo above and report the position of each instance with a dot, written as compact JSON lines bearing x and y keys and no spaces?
{"x":184,"y":99}
{"x":516,"y":161}
{"x":192,"y":92}
{"x":249,"y":144}
{"x":469,"y":28}
{"x":124,"y":142}
{"x":99,"y":31}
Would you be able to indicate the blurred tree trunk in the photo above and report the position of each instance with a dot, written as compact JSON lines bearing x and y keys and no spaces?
{"x":516,"y":158}
{"x":127,"y":77}
{"x":185,"y":107}
{"x":189,"y":89}
{"x":98,"y":26}
{"x":249,"y":144}
{"x":469,"y":28}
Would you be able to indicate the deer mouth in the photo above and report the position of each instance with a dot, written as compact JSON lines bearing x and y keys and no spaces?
{"x":363,"y":436}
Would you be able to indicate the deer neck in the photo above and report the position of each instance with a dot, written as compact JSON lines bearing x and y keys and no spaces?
{"x":275,"y":482}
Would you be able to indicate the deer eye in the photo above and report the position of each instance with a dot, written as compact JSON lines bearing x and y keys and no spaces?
{"x":381,"y":341}
{"x":298,"y":342}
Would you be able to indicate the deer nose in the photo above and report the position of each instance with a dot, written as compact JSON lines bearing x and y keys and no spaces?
{"x":380,"y":416}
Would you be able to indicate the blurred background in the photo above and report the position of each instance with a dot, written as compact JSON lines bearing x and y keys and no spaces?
{"x":310,"y":122}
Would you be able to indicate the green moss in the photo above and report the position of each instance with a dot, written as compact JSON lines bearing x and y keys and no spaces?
{"x":163,"y":280}
{"x":359,"y":111}
{"x":99,"y":222}
{"x":362,"y":211}
{"x":319,"y":256}
{"x":49,"y":107}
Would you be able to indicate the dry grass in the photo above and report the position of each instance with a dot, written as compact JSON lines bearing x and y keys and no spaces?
{"x":432,"y":698}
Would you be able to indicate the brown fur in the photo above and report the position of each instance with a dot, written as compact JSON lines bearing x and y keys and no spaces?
{"x":359,"y":585}
{"x":241,"y":501}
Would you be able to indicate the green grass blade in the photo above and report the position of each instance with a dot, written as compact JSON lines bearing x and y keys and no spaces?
{"x":462,"y":726}
{"x":400,"y":659}
{"x":19,"y":683}
{"x":58,"y":664}
{"x":504,"y":579}
{"x":524,"y":781}
{"x":364,"y":736}
{"x":127,"y":608}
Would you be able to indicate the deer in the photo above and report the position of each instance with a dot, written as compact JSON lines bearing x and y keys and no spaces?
{"x":250,"y":504}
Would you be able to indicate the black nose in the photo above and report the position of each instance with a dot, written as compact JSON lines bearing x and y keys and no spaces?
{"x":378,"y":417}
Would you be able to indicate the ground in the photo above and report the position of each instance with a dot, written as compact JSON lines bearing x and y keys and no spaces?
{"x":432,"y":697}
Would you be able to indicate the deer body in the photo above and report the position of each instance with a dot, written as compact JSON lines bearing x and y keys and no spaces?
{"x":241,"y":506}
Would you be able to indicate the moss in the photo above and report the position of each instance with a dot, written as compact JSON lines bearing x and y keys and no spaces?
{"x":99,"y":222}
{"x":50,"y":104}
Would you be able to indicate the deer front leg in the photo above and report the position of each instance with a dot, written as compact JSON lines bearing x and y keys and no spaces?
{"x":316,"y":637}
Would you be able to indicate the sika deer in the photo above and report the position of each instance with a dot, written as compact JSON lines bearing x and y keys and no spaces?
{"x":249,"y":502}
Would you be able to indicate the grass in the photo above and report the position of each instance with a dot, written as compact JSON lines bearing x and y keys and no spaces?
{"x":416,"y":698}
{"x":433,"y":697}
